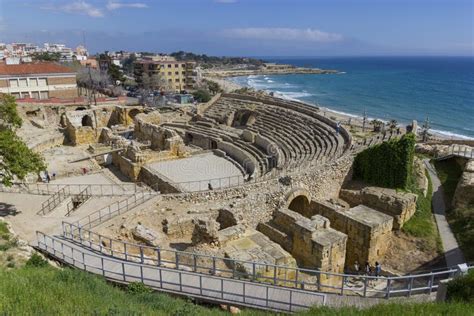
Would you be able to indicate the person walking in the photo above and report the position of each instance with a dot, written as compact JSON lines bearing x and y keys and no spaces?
{"x":367,"y":268}
{"x":356,"y":267}
{"x":378,"y":269}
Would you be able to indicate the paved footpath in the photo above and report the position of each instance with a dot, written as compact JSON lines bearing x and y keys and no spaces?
{"x":452,"y":253}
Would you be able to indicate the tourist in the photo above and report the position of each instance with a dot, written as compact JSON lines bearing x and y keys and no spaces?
{"x":54,"y":175}
{"x":378,"y":269}
{"x":338,"y":127}
{"x":367,"y":268}
{"x":356,"y":267}
{"x":209,"y":187}
{"x":48,"y":178}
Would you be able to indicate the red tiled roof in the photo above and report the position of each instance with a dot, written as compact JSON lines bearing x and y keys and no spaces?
{"x":33,"y":68}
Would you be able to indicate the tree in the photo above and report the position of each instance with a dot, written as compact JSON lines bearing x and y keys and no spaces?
{"x":202,"y":96}
{"x":377,"y":125}
{"x":16,"y":159}
{"x":392,"y":125}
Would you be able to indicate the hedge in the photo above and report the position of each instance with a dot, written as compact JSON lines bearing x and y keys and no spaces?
{"x":388,"y":164}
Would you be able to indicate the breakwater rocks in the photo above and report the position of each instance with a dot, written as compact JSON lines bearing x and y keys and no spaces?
{"x":264,"y":71}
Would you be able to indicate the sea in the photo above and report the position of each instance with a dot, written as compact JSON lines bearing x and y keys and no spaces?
{"x":439,"y":90}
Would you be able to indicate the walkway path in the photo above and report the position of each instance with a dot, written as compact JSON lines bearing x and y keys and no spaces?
{"x":452,"y":253}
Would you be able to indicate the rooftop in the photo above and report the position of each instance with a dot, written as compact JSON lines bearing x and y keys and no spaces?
{"x":33,"y":68}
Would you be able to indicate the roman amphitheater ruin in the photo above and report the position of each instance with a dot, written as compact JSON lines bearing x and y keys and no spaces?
{"x":245,"y":187}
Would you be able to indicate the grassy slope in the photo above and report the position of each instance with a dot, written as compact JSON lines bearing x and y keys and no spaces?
{"x":50,"y":291}
{"x":460,"y":220}
{"x":422,"y":224}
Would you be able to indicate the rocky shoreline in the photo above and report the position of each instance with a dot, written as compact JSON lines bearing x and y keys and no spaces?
{"x":262,"y":72}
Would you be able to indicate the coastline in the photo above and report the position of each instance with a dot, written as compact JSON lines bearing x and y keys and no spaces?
{"x":346,"y":119}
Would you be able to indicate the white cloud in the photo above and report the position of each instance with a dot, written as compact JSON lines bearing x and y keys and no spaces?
{"x":114,"y":5}
{"x":77,"y":7}
{"x":284,"y":34}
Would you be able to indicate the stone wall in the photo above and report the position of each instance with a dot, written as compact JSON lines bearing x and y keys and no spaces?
{"x":312,"y":242}
{"x":464,"y":194}
{"x":156,"y":181}
{"x":368,"y":230}
{"x":400,"y":205}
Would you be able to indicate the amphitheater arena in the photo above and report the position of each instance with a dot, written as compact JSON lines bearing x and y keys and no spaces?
{"x":244,"y":186}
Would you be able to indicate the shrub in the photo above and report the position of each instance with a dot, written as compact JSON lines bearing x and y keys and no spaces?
{"x":388,"y":164}
{"x":138,"y":288}
{"x":461,"y":289}
{"x":202,"y":96}
{"x":36,"y":261}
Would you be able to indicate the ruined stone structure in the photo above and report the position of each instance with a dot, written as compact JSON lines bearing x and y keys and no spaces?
{"x":400,"y":205}
{"x":464,"y":194}
{"x":368,"y":230}
{"x":84,"y":126}
{"x":312,"y":242}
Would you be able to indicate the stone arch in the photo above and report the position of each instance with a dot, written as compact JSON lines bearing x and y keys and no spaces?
{"x":87,"y":121}
{"x":298,"y":200}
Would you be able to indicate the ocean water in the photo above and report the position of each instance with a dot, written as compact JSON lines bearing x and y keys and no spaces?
{"x":400,"y":88}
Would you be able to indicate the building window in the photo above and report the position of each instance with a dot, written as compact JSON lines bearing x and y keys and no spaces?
{"x":183,"y":65}
{"x":176,"y":80}
{"x":169,"y":73}
{"x":170,"y":80}
{"x":44,"y":95}
{"x":14,"y":83}
{"x":176,"y":72}
{"x":35,"y":95}
{"x":183,"y":73}
{"x":42,"y":82}
{"x":169,"y":65}
{"x":24,"y":95}
{"x":176,"y":65}
{"x":33,"y":82}
{"x":16,"y":95}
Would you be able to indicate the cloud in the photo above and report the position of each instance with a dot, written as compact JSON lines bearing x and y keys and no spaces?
{"x":114,"y":5}
{"x":77,"y":7}
{"x":283,"y":34}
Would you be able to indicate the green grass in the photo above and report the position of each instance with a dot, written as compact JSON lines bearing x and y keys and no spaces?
{"x":422,"y":223}
{"x":51,"y":291}
{"x":461,"y":221}
{"x":400,"y":309}
{"x":449,"y":172}
{"x":7,"y":241}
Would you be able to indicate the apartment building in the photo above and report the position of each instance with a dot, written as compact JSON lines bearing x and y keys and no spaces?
{"x":180,"y":75}
{"x":38,"y":81}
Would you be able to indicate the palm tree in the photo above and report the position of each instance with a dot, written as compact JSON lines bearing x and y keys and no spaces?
{"x":377,"y":125}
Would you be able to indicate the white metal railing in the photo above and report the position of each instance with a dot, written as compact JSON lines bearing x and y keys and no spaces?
{"x":114,"y":209}
{"x":458,"y":151}
{"x":96,"y":189}
{"x":206,"y":287}
{"x":277,"y":275}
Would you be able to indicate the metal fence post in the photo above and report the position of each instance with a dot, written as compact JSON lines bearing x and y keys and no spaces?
{"x":365,"y":286}
{"x":141,"y":255}
{"x":213,"y":265}
{"x":158,"y":254}
{"x":254,"y":272}
{"x":387,"y":296}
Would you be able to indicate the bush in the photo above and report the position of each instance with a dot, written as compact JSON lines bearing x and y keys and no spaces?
{"x":36,"y":261}
{"x":202,"y":96}
{"x":388,"y":164}
{"x":461,"y":289}
{"x":138,"y":288}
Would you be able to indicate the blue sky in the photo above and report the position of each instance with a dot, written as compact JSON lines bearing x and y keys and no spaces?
{"x":248,"y":27}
